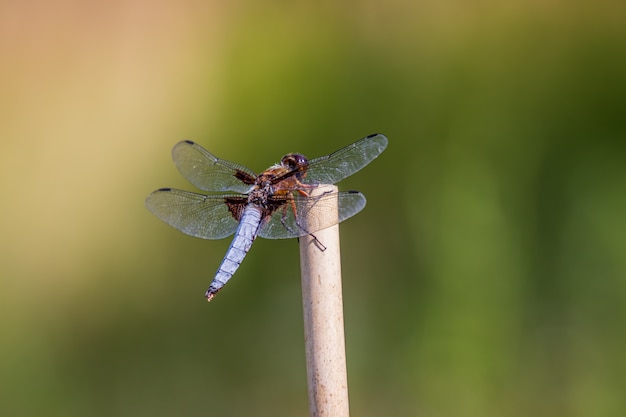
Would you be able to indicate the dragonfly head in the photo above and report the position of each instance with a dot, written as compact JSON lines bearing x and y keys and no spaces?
{"x":297,"y":163}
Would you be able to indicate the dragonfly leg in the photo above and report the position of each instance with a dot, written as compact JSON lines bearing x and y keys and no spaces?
{"x":302,"y":228}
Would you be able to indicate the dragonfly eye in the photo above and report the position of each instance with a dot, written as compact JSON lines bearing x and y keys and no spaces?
{"x":295,"y":162}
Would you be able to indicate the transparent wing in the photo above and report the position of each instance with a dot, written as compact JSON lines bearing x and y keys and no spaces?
{"x":208,"y":172}
{"x":284,"y":224}
{"x":203,"y":216}
{"x":338,"y":165}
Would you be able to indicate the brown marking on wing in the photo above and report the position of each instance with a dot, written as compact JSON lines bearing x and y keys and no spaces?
{"x":244,"y":177}
{"x":276,"y":202}
{"x":235,"y":206}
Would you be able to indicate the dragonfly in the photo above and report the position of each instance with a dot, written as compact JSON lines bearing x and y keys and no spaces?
{"x":275,"y":204}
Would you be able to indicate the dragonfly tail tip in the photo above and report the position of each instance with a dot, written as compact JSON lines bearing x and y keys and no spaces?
{"x":210,"y":294}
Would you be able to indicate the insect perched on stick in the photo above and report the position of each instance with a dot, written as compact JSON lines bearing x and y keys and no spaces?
{"x":272,"y":204}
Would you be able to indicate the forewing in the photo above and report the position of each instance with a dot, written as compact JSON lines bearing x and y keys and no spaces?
{"x":208,"y":172}
{"x":203,"y":216}
{"x":338,"y":165}
{"x":311,"y":214}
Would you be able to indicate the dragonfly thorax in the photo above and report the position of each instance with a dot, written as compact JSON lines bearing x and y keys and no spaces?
{"x":260,"y":193}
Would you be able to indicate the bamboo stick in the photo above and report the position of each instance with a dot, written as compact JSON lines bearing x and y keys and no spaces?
{"x":323,"y":321}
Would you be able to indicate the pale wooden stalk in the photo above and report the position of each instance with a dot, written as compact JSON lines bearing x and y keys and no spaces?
{"x":323,"y":321}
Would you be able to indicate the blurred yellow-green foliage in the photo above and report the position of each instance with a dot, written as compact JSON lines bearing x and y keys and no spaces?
{"x":486,"y":277}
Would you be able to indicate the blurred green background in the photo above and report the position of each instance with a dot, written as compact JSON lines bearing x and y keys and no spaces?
{"x":486,"y":276}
